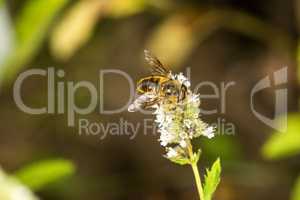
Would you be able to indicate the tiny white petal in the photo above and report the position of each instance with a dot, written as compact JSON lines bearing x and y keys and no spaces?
{"x":171,"y":153}
{"x":209,"y":132}
{"x":163,"y":143}
{"x":187,"y":83}
{"x":183,"y":144}
{"x":187,"y":123}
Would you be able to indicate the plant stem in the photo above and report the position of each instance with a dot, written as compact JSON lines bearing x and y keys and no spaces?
{"x":196,"y":172}
{"x":198,"y":180}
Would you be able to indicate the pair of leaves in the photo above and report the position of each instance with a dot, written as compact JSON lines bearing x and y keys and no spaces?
{"x":212,"y":180}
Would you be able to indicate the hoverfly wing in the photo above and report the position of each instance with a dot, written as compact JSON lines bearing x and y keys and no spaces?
{"x":140,"y":102}
{"x":157,"y":66}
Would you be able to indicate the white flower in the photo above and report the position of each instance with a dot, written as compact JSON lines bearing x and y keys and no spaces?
{"x":172,"y":76}
{"x":187,"y":123}
{"x":158,"y":109}
{"x":177,"y":123}
{"x":171,"y":153}
{"x":194,"y":98}
{"x":183,"y":144}
{"x":209,"y":132}
{"x":183,"y":80}
{"x":163,"y":143}
{"x":166,"y":137}
{"x":160,"y":118}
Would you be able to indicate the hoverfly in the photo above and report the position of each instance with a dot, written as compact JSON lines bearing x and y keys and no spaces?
{"x":160,"y":86}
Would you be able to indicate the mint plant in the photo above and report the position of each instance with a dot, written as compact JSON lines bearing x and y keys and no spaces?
{"x":179,"y":123}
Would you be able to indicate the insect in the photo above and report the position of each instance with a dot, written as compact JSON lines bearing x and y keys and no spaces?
{"x":160,"y":86}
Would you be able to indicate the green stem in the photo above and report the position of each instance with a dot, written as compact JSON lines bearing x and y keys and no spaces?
{"x":196,"y":172}
{"x":198,"y":180}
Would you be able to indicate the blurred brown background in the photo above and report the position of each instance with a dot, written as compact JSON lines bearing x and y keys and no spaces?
{"x":220,"y":40}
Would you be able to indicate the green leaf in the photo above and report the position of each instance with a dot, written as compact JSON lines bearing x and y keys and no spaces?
{"x":39,"y":174}
{"x":121,"y":8}
{"x":30,"y":30}
{"x":185,"y":161}
{"x":180,"y":161}
{"x":6,"y":38}
{"x":76,"y":28}
{"x":197,"y":156}
{"x":212,"y":179}
{"x":281,"y":145}
{"x":175,"y":48}
{"x":296,"y":190}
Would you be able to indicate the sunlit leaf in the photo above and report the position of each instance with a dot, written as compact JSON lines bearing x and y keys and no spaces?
{"x":78,"y":24}
{"x":180,"y":161}
{"x":286,"y":144}
{"x":296,"y":190}
{"x":31,"y":28}
{"x":6,"y":39}
{"x":76,"y":28}
{"x":197,"y":156}
{"x":121,"y":8}
{"x":39,"y":174}
{"x":212,"y":180}
{"x":6,"y":34}
{"x":173,"y":40}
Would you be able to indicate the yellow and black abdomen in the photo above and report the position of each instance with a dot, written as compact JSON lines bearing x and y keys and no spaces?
{"x":150,"y":84}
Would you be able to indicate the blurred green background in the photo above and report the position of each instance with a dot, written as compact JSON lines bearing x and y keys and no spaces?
{"x":220,"y":40}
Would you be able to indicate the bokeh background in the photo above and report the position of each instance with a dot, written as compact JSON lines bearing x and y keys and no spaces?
{"x":220,"y":40}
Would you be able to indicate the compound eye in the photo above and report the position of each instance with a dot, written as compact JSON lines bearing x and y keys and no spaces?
{"x":151,"y":86}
